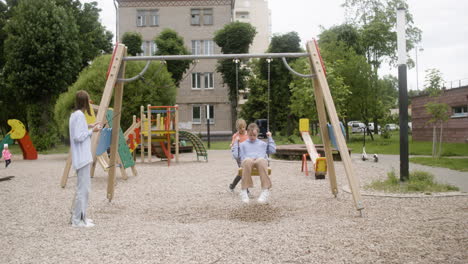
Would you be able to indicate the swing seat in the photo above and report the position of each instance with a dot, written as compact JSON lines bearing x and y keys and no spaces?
{"x":254,"y":172}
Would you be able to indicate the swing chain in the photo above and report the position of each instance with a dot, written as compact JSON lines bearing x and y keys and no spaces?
{"x":236,"y":61}
{"x":268,"y":100}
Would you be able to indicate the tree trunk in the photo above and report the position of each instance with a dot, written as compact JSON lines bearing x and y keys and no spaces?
{"x":434,"y":140}
{"x":440,"y":141}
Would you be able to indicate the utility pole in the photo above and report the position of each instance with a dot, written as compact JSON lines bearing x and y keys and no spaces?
{"x":417,"y":71}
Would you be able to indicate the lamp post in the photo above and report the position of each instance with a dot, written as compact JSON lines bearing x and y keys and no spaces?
{"x":417,"y":71}
{"x":403,"y":94}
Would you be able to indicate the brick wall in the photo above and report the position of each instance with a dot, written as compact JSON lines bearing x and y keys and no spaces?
{"x":454,"y":130}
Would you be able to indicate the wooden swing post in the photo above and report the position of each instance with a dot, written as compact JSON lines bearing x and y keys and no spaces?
{"x":323,"y":98}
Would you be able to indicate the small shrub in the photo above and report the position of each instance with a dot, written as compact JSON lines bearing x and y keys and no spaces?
{"x":385,"y":134}
{"x":419,"y":181}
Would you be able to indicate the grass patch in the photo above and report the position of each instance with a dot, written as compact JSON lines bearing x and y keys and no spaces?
{"x":458,"y":164}
{"x":419,"y":181}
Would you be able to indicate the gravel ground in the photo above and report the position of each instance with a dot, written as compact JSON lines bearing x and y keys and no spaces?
{"x":184,"y":214}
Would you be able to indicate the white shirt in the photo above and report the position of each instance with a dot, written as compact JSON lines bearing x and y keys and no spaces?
{"x":80,"y":140}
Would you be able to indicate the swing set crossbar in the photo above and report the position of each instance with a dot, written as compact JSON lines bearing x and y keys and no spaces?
{"x":216,"y":56}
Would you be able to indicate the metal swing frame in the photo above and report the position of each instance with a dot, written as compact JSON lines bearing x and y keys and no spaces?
{"x":324,"y":102}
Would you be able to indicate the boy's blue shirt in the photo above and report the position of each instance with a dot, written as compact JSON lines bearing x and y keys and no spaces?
{"x":253,"y":149}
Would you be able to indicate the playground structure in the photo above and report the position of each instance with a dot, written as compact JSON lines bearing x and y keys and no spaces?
{"x":324,"y":103}
{"x":158,"y":124}
{"x":135,"y":136}
{"x":18,"y":132}
{"x":319,"y":163}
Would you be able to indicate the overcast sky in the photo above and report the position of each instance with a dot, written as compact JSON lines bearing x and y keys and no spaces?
{"x":444,"y":26}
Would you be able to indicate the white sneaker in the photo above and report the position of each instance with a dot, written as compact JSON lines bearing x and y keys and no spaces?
{"x":263,"y":198}
{"x":244,"y":196}
{"x":83,"y":224}
{"x":89,"y":220}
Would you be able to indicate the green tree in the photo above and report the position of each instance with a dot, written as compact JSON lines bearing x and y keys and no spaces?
{"x":42,"y":59}
{"x":3,"y":35}
{"x":376,"y":20}
{"x":434,"y":82}
{"x":234,"y":38}
{"x":353,"y":69}
{"x":439,"y":112}
{"x":302,"y":98}
{"x":170,"y":43}
{"x":157,"y":87}
{"x":94,"y":38}
{"x":281,"y":118}
{"x":133,"y":41}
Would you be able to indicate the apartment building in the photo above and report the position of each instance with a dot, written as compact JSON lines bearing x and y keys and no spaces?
{"x":257,"y":13}
{"x":201,"y":93}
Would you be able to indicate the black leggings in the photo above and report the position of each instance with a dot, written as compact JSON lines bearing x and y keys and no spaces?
{"x":7,"y":162}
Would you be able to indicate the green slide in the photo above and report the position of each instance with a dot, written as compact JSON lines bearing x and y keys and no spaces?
{"x":196,"y":142}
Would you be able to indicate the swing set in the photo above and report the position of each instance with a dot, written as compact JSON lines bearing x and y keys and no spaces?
{"x":324,"y":103}
{"x":254,"y":169}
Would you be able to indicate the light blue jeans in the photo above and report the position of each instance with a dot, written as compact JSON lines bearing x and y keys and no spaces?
{"x":83,"y":188}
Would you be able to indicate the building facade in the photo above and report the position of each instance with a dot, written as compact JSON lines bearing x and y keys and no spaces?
{"x":201,"y":93}
{"x":257,"y":13}
{"x":456,"y":127}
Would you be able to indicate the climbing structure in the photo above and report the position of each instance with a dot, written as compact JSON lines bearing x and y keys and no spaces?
{"x":196,"y":142}
{"x":159,"y":124}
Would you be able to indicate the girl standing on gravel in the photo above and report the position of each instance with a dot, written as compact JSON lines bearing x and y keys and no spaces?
{"x":80,"y":145}
{"x":242,"y":136}
{"x":6,"y":155}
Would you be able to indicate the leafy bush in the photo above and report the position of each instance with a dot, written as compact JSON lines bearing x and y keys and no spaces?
{"x":385,"y":134}
{"x":157,"y":88}
{"x":419,"y":181}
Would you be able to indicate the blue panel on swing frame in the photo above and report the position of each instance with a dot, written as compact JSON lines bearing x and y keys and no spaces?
{"x":104,"y":141}
{"x":332,"y":136}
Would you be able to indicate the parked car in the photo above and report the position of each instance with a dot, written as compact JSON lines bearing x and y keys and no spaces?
{"x":350,"y":123}
{"x":262,"y":125}
{"x":371,"y":127}
{"x":391,"y":127}
{"x":357,"y":127}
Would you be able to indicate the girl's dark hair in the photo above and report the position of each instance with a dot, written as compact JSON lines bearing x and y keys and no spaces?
{"x":82,"y":101}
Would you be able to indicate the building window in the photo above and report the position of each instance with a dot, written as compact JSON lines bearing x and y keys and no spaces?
{"x":148,"y":48}
{"x":141,"y":18}
{"x":196,"y":47}
{"x":242,"y":15}
{"x":153,"y":47}
{"x":195,"y":17}
{"x":210,"y":113}
{"x":196,"y":114}
{"x":209,"y":80}
{"x":143,"y":49}
{"x":196,"y":80}
{"x":208,"y":16}
{"x":208,"y":47}
{"x":459,"y":111}
{"x":154,"y":17}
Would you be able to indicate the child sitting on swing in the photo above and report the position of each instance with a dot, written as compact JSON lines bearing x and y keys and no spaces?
{"x":241,"y":126}
{"x":253,"y":153}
